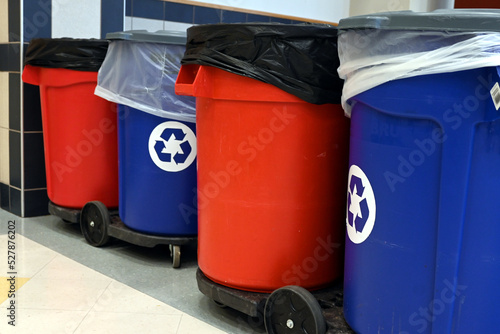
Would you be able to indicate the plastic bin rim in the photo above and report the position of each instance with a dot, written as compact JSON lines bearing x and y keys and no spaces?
{"x":159,"y":36}
{"x":459,"y":20}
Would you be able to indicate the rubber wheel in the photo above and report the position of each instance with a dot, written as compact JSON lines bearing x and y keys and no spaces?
{"x":94,"y":221}
{"x":175,"y":253}
{"x":291,"y":310}
{"x":219,"y":304}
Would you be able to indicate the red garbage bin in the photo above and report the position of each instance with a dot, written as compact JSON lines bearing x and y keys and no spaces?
{"x":271,"y":182}
{"x":80,"y":136}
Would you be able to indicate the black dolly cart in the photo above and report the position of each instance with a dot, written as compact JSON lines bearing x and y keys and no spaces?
{"x":287,"y":310}
{"x":98,"y":224}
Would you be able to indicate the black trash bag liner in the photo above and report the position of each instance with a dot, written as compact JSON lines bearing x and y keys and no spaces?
{"x":301,"y":59}
{"x":75,"y":54}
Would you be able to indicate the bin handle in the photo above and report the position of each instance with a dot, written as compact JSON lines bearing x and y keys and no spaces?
{"x":191,"y":81}
{"x":31,"y":75}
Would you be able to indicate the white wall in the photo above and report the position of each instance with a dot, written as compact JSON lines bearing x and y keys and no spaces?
{"x":76,"y":18}
{"x":322,"y":10}
{"x":360,"y":7}
{"x":331,"y":10}
{"x":431,"y":5}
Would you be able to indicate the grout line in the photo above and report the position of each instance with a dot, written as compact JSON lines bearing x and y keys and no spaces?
{"x":179,"y":324}
{"x":21,"y":102}
{"x":34,"y":189}
{"x":53,"y":259}
{"x":124,"y":14}
{"x":95,"y":303}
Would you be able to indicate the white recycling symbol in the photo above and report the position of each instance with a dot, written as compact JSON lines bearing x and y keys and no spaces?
{"x":361,"y":206}
{"x":172,"y":146}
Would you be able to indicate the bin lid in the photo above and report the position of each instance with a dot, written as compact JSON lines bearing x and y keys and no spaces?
{"x":467,"y":20}
{"x":301,"y":59}
{"x":70,"y":53}
{"x":160,"y":36}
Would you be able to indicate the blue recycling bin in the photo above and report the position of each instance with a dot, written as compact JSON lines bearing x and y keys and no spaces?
{"x":156,"y":132}
{"x":422,"y":244}
{"x":157,"y":173}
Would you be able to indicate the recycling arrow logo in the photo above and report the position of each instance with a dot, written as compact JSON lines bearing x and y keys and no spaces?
{"x":172,"y":146}
{"x":361,"y":206}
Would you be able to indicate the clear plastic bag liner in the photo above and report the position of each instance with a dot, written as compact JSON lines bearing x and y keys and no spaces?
{"x":372,"y":57}
{"x":142,"y":76}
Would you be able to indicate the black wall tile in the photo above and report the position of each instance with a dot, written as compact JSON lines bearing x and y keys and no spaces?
{"x":204,"y":15}
{"x":15,"y":167}
{"x":258,"y":18}
{"x":280,"y":20}
{"x":5,"y":197}
{"x":151,"y":9}
{"x":10,"y":58}
{"x":32,"y":116}
{"x":37,"y":19}
{"x":15,"y":201}
{"x":178,"y":12}
{"x":34,"y":161}
{"x":14,"y":21}
{"x":36,"y":203}
{"x":111,"y":16}
{"x":233,"y":17}
{"x":15,"y":101}
{"x":128,"y":7}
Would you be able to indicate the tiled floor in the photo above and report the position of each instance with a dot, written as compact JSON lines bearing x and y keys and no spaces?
{"x":129,"y":289}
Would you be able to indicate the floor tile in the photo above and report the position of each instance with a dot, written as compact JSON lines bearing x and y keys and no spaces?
{"x":62,"y":268}
{"x":191,"y":325}
{"x":43,"y":321}
{"x":59,"y":294}
{"x":6,"y":283}
{"x":129,"y":323}
{"x":119,"y":297}
{"x":31,"y":257}
{"x":76,"y":288}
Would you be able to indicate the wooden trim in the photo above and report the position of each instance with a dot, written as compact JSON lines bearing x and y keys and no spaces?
{"x":249,"y":11}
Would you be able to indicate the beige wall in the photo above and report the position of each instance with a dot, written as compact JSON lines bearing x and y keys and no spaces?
{"x":4,"y":23}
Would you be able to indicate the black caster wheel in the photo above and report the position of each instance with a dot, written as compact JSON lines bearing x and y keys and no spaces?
{"x":175,"y":253}
{"x":219,"y":304}
{"x":94,"y":222}
{"x":291,"y":310}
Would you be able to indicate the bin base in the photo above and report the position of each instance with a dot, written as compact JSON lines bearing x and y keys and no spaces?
{"x":98,"y":225}
{"x":253,"y":304}
{"x":66,"y":214}
{"x":117,"y":229}
{"x":113,"y":226}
